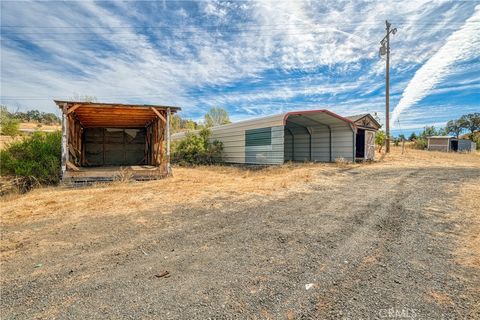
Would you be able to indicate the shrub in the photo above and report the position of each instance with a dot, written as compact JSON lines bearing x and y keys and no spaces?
{"x":197,"y":149}
{"x":476,"y":138}
{"x":420,"y":144}
{"x":36,"y":160}
{"x":8,"y":124}
{"x":380,"y":139}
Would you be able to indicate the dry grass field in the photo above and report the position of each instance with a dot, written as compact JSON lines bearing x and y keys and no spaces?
{"x":402,"y":233}
{"x":32,"y":126}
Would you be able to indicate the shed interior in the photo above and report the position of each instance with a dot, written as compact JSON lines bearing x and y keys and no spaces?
{"x":100,"y":136}
{"x":318,"y":136}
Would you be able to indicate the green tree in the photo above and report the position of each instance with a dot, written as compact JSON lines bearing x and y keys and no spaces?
{"x":216,"y":117}
{"x":432,"y":131}
{"x":412,"y":137}
{"x":471,"y":122}
{"x":178,"y":124}
{"x":9,"y":125}
{"x":380,"y":138}
{"x":454,"y":127}
{"x":189,"y":124}
{"x":197,"y":148}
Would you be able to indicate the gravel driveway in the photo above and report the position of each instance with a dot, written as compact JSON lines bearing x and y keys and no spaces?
{"x":375,"y":244}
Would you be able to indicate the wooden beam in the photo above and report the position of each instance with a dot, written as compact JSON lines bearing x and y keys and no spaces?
{"x":71,"y":109}
{"x":167,"y":133}
{"x":159,"y":115}
{"x":71,"y":166}
{"x":64,"y":140}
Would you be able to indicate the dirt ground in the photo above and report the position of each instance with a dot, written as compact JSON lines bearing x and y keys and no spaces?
{"x":398,"y":238}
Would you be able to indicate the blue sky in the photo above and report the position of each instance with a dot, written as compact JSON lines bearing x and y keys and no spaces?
{"x":253,"y":58}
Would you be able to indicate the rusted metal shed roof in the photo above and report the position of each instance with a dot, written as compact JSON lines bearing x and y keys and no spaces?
{"x":113,"y":115}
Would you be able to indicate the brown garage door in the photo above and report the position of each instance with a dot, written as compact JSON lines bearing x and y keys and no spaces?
{"x":114,"y":147}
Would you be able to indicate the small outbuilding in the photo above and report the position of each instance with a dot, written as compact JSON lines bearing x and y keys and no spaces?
{"x":102,"y":141}
{"x":299,"y":136}
{"x":450,"y":143}
{"x":367,"y":126}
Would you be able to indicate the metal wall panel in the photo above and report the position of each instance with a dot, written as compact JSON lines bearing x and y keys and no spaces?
{"x":270,"y":152}
{"x":465,"y":145}
{"x":298,"y":148}
{"x":343,"y":143}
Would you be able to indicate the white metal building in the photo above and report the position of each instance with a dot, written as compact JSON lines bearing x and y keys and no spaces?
{"x":450,"y":143}
{"x":314,"y":135}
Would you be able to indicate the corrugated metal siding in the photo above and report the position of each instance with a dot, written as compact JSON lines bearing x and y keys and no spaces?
{"x":342,"y":143}
{"x":268,"y":153}
{"x":280,"y":149}
{"x":233,"y":138}
{"x":320,"y":144}
{"x":297,"y":149}
{"x":465,"y":145}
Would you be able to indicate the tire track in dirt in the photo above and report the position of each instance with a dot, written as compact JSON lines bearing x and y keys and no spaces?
{"x":254,"y":260}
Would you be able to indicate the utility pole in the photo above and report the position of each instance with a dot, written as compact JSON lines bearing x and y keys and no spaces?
{"x":385,"y":50}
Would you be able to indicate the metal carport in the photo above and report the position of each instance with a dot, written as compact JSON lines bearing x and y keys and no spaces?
{"x":318,"y":135}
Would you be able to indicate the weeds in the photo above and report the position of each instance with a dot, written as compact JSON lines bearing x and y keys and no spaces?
{"x":33,"y":161}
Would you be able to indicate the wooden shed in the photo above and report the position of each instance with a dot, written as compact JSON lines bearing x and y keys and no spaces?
{"x":367,"y":126}
{"x":105,"y":141}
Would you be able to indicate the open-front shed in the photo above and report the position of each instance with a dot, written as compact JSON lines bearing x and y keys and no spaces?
{"x":104,"y":141}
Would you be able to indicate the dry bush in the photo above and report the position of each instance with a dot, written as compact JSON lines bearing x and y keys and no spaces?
{"x":123,"y":175}
{"x":342,"y":162}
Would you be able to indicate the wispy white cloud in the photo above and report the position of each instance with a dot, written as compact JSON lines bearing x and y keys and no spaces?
{"x":462,"y":44}
{"x":262,"y":56}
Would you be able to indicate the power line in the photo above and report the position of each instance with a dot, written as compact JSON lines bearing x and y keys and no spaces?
{"x":176,"y":31}
{"x":430,"y":22}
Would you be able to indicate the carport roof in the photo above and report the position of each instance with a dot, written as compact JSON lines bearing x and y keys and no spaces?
{"x":113,"y":115}
{"x":316,"y":117}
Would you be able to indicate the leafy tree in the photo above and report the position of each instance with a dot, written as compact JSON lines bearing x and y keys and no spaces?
{"x":8,"y":124}
{"x":50,"y":118}
{"x":178,"y":124}
{"x":216,"y":117}
{"x":380,"y":138}
{"x":412,"y":137}
{"x":197,"y":149}
{"x":401,"y":137}
{"x":471,"y":122}
{"x":432,"y":131}
{"x":454,"y":127}
{"x":37,"y":116}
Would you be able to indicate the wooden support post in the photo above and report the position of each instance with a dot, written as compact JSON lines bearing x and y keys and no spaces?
{"x":167,"y":134}
{"x":159,"y":114}
{"x":64,"y":140}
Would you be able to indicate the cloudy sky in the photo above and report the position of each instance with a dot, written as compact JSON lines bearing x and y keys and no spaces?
{"x":253,"y":58}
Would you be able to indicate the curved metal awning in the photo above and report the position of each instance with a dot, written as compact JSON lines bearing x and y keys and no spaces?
{"x":317,"y":117}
